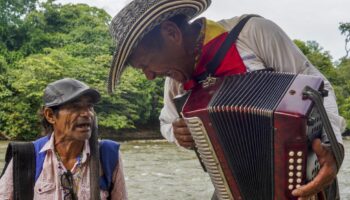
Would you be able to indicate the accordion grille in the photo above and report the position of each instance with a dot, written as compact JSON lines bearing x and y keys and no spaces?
{"x":209,"y":157}
{"x":240,"y":104}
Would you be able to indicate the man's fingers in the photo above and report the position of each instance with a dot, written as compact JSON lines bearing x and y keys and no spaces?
{"x":324,"y":177}
{"x":181,"y":131}
{"x":184,"y":138}
{"x":179,"y":122}
{"x":187,"y":145}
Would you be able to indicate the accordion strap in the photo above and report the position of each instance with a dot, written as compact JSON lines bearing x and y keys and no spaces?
{"x":336,"y":148}
{"x":23,"y":156}
{"x":225,"y":46}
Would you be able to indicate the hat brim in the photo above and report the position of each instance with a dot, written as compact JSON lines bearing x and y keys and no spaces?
{"x":142,"y":24}
{"x":94,"y":94}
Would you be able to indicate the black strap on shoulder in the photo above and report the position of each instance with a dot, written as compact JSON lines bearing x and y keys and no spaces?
{"x":225,"y":46}
{"x":23,"y":155}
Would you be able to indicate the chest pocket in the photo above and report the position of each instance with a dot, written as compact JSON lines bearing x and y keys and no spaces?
{"x":42,"y":188}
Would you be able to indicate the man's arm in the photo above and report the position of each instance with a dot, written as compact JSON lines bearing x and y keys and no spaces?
{"x":172,"y":127}
{"x":119,"y":189}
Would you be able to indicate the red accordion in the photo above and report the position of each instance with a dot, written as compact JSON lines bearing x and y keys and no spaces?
{"x":253,"y":133}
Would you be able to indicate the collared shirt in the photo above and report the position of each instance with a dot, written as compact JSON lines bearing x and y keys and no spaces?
{"x":48,"y":185}
{"x":261,"y":44}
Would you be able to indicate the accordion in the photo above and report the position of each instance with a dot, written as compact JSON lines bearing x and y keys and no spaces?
{"x":253,"y":133}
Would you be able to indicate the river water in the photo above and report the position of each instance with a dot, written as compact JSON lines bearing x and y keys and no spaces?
{"x":157,"y":170}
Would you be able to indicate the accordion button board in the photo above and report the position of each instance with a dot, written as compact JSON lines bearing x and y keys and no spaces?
{"x":253,"y":133}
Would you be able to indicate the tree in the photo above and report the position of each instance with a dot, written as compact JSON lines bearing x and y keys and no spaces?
{"x":69,"y":41}
{"x":345,"y":30}
{"x":344,"y":89}
{"x":319,"y":58}
{"x":131,"y":105}
{"x":12,"y":13}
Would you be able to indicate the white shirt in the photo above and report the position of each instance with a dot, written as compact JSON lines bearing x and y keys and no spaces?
{"x":261,"y":44}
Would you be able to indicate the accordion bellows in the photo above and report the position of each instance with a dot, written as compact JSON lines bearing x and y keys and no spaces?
{"x":252,"y":132}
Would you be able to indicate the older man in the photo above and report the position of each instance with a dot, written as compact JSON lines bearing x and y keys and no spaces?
{"x":156,"y":37}
{"x":63,"y":157}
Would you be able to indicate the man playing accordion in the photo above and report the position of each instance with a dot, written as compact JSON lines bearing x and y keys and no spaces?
{"x":156,"y":37}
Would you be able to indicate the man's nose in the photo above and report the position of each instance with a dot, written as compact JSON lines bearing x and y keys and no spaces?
{"x":86,"y":111}
{"x":149,"y":74}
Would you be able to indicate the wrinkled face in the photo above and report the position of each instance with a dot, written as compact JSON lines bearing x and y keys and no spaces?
{"x":170,"y":59}
{"x":74,"y":120}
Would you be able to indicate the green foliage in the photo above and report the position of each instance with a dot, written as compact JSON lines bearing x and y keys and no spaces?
{"x":319,"y":58}
{"x":345,"y":30}
{"x":136,"y":98}
{"x":57,"y":41}
{"x":344,"y":89}
{"x":11,"y":14}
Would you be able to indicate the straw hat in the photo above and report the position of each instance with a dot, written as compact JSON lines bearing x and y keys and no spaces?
{"x":139,"y":17}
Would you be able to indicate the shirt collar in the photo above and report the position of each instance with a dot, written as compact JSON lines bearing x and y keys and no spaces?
{"x":49,"y":146}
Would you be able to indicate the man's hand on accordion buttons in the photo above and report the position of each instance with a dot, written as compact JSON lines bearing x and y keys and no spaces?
{"x":325,"y":176}
{"x":182,"y":133}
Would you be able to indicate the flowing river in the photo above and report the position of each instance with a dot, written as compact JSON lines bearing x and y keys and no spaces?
{"x":157,"y":170}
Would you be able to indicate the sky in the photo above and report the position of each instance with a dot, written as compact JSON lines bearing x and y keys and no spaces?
{"x":316,"y":20}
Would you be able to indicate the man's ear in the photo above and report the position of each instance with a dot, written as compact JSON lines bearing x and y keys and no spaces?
{"x":171,"y":32}
{"x":49,"y":115}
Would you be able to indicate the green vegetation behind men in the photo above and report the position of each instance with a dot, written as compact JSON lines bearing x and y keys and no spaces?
{"x":55,"y":41}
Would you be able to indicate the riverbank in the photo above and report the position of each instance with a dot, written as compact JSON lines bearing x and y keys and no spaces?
{"x":146,"y":132}
{"x":131,"y":134}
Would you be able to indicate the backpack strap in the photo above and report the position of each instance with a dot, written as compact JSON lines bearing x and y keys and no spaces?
{"x":28,"y":163}
{"x":40,"y":156}
{"x":225,"y":46}
{"x":22,"y":155}
{"x":109,"y":156}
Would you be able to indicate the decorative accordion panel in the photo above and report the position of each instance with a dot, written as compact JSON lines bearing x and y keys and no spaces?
{"x":252,"y":133}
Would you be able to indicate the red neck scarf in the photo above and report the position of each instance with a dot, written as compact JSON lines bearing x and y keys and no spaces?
{"x":214,"y":36}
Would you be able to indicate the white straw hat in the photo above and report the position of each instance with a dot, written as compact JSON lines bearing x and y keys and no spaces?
{"x":139,"y":17}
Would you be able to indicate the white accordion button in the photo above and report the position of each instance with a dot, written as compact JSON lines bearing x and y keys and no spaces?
{"x":300,"y":153}
{"x":298,"y":174}
{"x":299,"y":167}
{"x":290,"y":187}
{"x":291,"y":153}
{"x":299,"y":161}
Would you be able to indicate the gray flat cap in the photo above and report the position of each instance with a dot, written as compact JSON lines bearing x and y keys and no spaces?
{"x":66,"y":90}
